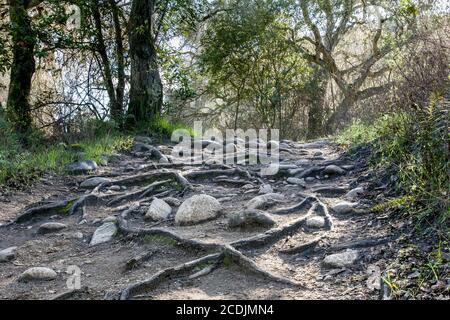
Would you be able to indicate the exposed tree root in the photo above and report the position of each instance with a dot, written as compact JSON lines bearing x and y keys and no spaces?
{"x":304,"y":248}
{"x":271,"y":236}
{"x":167,"y":274}
{"x":151,"y":177}
{"x":362,"y":243}
{"x":139,"y":194}
{"x":306,"y":203}
{"x":139,"y":259}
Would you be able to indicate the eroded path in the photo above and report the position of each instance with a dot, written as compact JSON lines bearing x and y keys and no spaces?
{"x":297,"y":235}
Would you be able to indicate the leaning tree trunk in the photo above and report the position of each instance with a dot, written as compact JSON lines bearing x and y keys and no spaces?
{"x":22,"y":68}
{"x":146,"y":91}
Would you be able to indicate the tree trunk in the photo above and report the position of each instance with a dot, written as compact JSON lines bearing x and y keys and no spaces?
{"x":146,"y":91}
{"x":22,"y":68}
{"x":120,"y":89}
{"x":316,"y":92}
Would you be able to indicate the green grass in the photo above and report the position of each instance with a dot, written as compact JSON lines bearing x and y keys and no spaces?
{"x":163,"y":127}
{"x":22,"y":165}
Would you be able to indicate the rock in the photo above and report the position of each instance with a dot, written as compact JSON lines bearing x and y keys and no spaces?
{"x":197,"y":209}
{"x":250,"y":218}
{"x":104,"y":160}
{"x":297,"y":181}
{"x":141,"y":147}
{"x":248,"y":186}
{"x":82,"y":167}
{"x":172,"y":201}
{"x":344,"y":207}
{"x":159,"y":210}
{"x":333,"y":169}
{"x":50,"y":227}
{"x":93,"y":182}
{"x":38,"y":273}
{"x":8,"y":254}
{"x":342,"y":259}
{"x":265,"y":200}
{"x":115,"y":188}
{"x":315,"y":222}
{"x":354,"y":193}
{"x":373,"y":278}
{"x":265,"y":188}
{"x":104,"y":233}
{"x":310,"y":179}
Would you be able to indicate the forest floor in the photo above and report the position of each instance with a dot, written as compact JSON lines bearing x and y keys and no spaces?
{"x":342,"y":256}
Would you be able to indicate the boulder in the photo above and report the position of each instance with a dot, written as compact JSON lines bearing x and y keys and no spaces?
{"x":315,"y":222}
{"x":197,"y":209}
{"x":104,"y":233}
{"x":333,"y":169}
{"x":250,"y":218}
{"x":38,"y":273}
{"x":344,"y":207}
{"x":159,"y":210}
{"x":50,"y":227}
{"x":93,"y":182}
{"x":80,"y":167}
{"x":354,"y":193}
{"x":342,"y":259}
{"x":8,"y":254}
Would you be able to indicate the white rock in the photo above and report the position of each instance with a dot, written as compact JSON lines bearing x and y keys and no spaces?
{"x":354,"y":193}
{"x":197,"y":209}
{"x":344,"y":207}
{"x":104,"y":233}
{"x":51,"y":227}
{"x":315,"y":222}
{"x":333,"y":169}
{"x":82,"y":167}
{"x":8,"y":254}
{"x":38,"y":273}
{"x":264,"y":200}
{"x":115,"y":188}
{"x":342,"y":259}
{"x":171,"y":201}
{"x":110,"y":219}
{"x":159,"y":210}
{"x":265,"y":188}
{"x":93,"y":182}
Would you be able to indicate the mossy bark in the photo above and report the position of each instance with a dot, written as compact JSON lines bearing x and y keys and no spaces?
{"x":146,"y":91}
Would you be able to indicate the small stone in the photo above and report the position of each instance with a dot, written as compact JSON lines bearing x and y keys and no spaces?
{"x":310,"y":179}
{"x":297,"y":181}
{"x":250,"y":218}
{"x":104,"y":233}
{"x":8,"y":254}
{"x":342,"y":259}
{"x":354,"y":193}
{"x":141,"y":147}
{"x":80,"y":167}
{"x":333,"y":169}
{"x":50,"y":227}
{"x":247,"y":186}
{"x":265,"y":188}
{"x":115,"y":188}
{"x":197,"y":209}
{"x":315,"y":222}
{"x":38,"y":273}
{"x":93,"y":182}
{"x":344,"y":207}
{"x":159,"y":210}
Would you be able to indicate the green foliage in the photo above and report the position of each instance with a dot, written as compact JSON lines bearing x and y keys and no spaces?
{"x":416,"y":145}
{"x":164,"y":128}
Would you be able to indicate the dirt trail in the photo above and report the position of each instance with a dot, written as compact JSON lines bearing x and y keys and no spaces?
{"x":274,"y":265}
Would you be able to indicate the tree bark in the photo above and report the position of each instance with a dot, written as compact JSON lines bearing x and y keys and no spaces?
{"x":22,"y":68}
{"x":146,"y":91}
{"x":316,"y":89}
